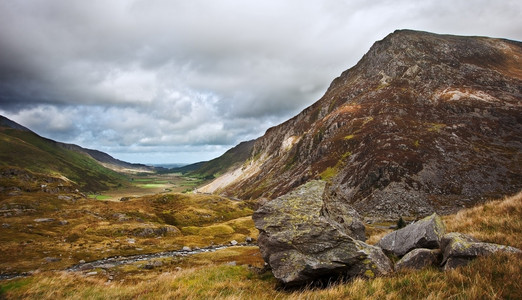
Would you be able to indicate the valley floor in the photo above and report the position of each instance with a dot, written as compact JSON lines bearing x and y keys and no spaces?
{"x":45,"y":233}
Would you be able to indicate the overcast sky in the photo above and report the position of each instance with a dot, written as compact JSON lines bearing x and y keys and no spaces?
{"x":157,"y":81}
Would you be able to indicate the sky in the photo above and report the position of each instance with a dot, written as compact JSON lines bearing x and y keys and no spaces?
{"x":168,"y":81}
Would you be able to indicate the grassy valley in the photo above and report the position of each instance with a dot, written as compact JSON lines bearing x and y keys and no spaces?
{"x":45,"y":232}
{"x":55,"y":226}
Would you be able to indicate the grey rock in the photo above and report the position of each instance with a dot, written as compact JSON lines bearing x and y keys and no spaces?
{"x":87,"y":266}
{"x":153,"y":264}
{"x":302,"y":244}
{"x":425,"y":233}
{"x":233,"y":242}
{"x":418,"y":259}
{"x":63,"y":222}
{"x":453,"y":237}
{"x":107,"y":266}
{"x":121,"y":217}
{"x":186,"y":248}
{"x":67,"y":198}
{"x":43,"y":220}
{"x":6,"y":225}
{"x":249,"y":239}
{"x":459,"y":249}
{"x":343,"y":216}
{"x":52,"y":259}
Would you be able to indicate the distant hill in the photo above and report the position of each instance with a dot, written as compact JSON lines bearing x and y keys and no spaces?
{"x":109,"y":161}
{"x":422,"y":123}
{"x":22,"y":148}
{"x":213,"y":168}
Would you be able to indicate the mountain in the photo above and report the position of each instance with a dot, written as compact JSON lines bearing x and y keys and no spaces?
{"x":231,"y":159}
{"x":422,"y":123}
{"x":22,"y":148}
{"x":108,"y":161}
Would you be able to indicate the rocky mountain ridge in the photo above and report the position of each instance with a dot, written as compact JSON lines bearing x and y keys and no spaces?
{"x":422,"y":123}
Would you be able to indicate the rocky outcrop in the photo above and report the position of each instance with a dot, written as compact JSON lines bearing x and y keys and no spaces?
{"x":301,"y":243}
{"x":459,"y":249}
{"x":423,"y":123}
{"x":425,"y":233}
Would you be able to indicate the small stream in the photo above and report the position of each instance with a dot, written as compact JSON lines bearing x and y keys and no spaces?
{"x":111,"y":262}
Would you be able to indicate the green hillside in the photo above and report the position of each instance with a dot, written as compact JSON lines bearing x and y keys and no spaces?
{"x":27,"y":150}
{"x":213,"y":168}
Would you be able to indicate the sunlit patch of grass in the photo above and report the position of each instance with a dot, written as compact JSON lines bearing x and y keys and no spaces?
{"x":497,"y":221}
{"x":99,"y":197}
{"x":152,"y":185}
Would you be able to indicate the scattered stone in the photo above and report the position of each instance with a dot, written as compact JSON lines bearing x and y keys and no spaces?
{"x":153,"y":264}
{"x":186,"y":248}
{"x":6,"y":225}
{"x":249,"y":239}
{"x":107,"y":266}
{"x":66,"y":198}
{"x":121,"y":217}
{"x":52,"y":259}
{"x":302,"y":244}
{"x":43,"y":220}
{"x":233,"y":242}
{"x":82,"y":261}
{"x":418,"y":259}
{"x":425,"y":233}
{"x":91,"y":273}
{"x":131,"y":241}
{"x":460,"y":249}
{"x":63,"y":222}
{"x":155,"y":232}
{"x":231,"y":263}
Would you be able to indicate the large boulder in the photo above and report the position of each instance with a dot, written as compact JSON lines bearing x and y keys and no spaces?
{"x":425,"y":233}
{"x":459,"y":249}
{"x":418,"y":259}
{"x":301,"y":243}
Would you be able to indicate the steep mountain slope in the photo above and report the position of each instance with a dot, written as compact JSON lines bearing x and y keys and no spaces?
{"x":422,"y":123}
{"x":22,"y":148}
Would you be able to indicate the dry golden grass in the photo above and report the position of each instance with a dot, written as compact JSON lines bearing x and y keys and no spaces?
{"x":98,"y":229}
{"x":497,"y":221}
{"x":208,"y":276}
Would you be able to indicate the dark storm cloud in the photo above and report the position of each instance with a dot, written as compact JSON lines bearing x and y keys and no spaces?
{"x":156,"y":77}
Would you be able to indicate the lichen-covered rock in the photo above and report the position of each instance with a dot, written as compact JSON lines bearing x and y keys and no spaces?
{"x":301,"y":244}
{"x":453,"y":237}
{"x":459,"y":249}
{"x":425,"y":233}
{"x":418,"y":259}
